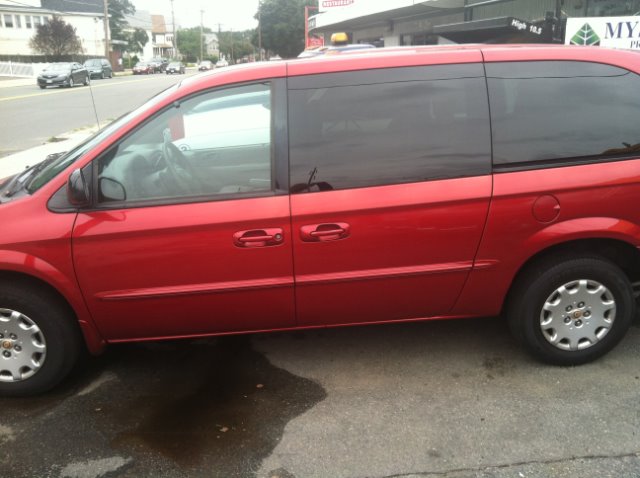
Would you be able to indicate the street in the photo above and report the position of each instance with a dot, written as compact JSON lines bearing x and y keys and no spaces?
{"x":31,"y":116}
{"x":453,"y":399}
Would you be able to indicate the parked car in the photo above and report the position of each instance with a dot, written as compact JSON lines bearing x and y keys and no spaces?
{"x":143,"y":68}
{"x":222,"y":63}
{"x":159,"y":64}
{"x":99,"y":68}
{"x":63,"y":74}
{"x":205,"y":65}
{"x":401,"y":185}
{"x":175,"y":67}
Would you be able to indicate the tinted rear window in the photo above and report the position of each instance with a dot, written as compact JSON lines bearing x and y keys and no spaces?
{"x":391,"y":126}
{"x":554,"y":110}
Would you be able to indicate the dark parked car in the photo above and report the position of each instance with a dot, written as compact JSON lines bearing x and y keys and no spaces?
{"x":175,"y":67}
{"x":159,"y":64}
{"x":99,"y":68}
{"x":143,"y":68}
{"x":63,"y":74}
{"x":400,"y":185}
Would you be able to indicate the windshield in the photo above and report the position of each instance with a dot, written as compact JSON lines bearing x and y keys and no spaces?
{"x":92,"y":63}
{"x":58,"y":67}
{"x":60,"y":164}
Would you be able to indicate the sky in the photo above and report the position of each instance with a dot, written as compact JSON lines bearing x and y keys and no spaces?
{"x":231,"y":14}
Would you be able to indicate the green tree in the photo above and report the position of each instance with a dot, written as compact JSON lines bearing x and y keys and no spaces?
{"x":235,"y":45}
{"x":136,"y":40}
{"x":282,"y":26}
{"x":189,"y":41}
{"x":56,"y":39}
{"x":118,"y":9}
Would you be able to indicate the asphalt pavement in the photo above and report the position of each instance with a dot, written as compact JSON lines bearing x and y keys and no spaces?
{"x":450,"y":399}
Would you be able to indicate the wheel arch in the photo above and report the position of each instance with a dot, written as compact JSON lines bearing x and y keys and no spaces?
{"x":623,"y":254}
{"x":94,"y":342}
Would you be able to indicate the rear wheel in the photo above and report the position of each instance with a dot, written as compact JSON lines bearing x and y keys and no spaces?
{"x":572,"y":311}
{"x":39,"y":340}
{"x":87,"y":80}
{"x":71,"y":83}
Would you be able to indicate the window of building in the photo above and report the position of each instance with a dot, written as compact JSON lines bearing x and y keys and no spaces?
{"x":554,"y":110}
{"x":45,"y":20}
{"x":27,"y":21}
{"x":37,"y":21}
{"x":213,"y":145}
{"x":8,"y":21}
{"x":390,"y":126}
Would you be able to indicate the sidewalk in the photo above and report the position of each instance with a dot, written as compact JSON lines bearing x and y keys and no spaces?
{"x":15,"y":163}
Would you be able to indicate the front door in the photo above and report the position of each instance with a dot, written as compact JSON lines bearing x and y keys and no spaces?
{"x":190,"y":234}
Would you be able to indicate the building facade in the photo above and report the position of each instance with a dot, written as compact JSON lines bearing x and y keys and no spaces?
{"x":419,"y":22}
{"x":19,"y":22}
{"x":141,"y":19}
{"x":162,"y":38}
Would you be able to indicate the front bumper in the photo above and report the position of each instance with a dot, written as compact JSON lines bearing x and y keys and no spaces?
{"x":53,"y":82}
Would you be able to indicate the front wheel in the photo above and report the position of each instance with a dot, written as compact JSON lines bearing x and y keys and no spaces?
{"x":71,"y":83}
{"x":87,"y":80}
{"x":572,"y":311}
{"x":39,"y":340}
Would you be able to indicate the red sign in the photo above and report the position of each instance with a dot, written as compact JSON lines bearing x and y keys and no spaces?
{"x":336,"y":3}
{"x":315,"y":41}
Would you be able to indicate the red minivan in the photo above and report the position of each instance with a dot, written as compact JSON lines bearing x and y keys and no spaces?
{"x":383,"y":186}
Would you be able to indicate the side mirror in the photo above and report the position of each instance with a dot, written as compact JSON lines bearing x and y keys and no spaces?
{"x":112,"y":190}
{"x":78,"y":192}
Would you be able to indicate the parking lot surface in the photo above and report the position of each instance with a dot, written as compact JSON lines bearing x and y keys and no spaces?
{"x":449,"y":399}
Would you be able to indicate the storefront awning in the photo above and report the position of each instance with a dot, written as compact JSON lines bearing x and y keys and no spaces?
{"x":495,"y":30}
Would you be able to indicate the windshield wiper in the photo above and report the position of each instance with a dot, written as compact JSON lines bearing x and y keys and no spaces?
{"x":22,"y":180}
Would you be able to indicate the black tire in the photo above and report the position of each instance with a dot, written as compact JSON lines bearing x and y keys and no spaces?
{"x":42,"y":87}
{"x":87,"y":80}
{"x":71,"y":83}
{"x":58,"y":327}
{"x":536,"y":289}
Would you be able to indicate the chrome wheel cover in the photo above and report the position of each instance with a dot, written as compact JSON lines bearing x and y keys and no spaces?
{"x":22,"y":346}
{"x":577,"y":315}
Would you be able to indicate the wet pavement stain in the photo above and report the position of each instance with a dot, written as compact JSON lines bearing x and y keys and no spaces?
{"x":217,"y":406}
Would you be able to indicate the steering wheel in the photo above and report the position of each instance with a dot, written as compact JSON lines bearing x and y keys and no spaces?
{"x":178,"y":165}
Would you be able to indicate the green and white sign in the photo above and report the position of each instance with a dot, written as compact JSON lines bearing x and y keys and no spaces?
{"x":612,"y":32}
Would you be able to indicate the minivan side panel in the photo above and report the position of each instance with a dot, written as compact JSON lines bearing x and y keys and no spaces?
{"x":175,"y":270}
{"x":591,"y":201}
{"x":409,"y":250}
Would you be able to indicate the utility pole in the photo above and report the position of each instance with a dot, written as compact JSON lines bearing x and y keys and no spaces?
{"x":260,"y":30}
{"x":175,"y":37}
{"x":201,"y":36}
{"x":106,"y":29}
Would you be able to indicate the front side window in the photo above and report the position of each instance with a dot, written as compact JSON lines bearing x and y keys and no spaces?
{"x":391,"y":126}
{"x":562,"y":110}
{"x":211,"y":145}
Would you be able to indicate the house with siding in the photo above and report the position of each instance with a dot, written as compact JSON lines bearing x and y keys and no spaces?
{"x":19,"y":22}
